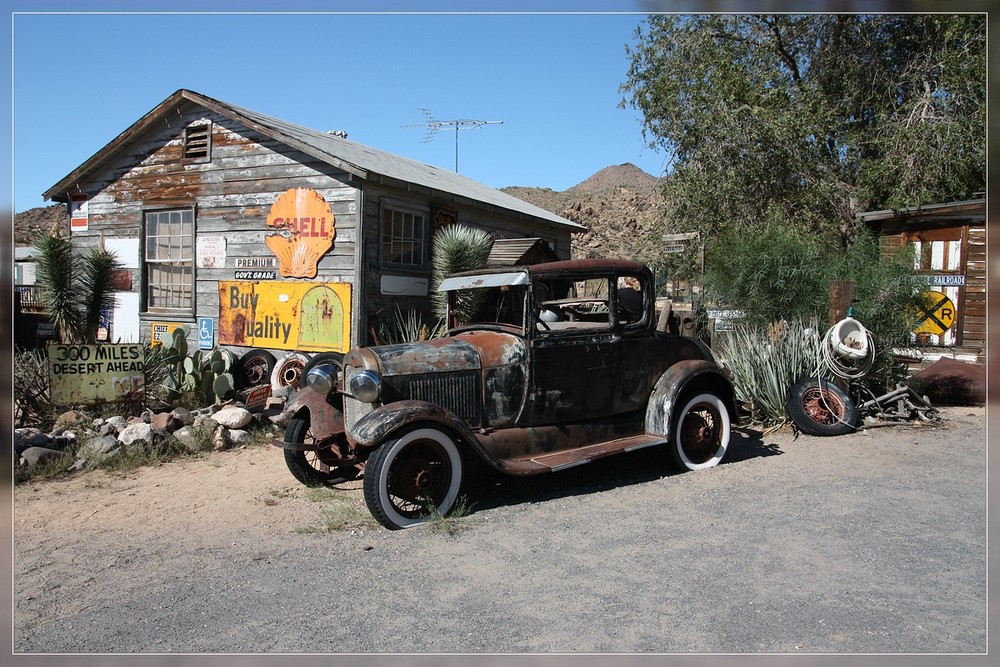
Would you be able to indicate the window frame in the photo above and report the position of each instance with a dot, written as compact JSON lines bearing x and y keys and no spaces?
{"x":148,"y":264}
{"x":395,"y":207}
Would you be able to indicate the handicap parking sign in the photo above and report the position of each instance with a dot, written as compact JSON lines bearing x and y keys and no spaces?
{"x":206,"y":333}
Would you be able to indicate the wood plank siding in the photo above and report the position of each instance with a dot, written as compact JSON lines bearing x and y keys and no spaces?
{"x":951,"y":241}
{"x":251,"y":161}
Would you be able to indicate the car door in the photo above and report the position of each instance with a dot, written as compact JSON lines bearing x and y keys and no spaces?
{"x":572,"y":370}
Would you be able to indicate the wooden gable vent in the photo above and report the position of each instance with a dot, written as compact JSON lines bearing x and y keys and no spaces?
{"x":197,"y":142}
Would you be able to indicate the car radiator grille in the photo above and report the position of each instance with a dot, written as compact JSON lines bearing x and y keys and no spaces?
{"x":456,"y":392}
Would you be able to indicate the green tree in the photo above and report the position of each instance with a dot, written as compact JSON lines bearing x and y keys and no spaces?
{"x":811,"y":119}
{"x":74,"y":289}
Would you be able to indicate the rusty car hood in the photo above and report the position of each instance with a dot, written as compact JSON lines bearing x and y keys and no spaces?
{"x":471,"y":350}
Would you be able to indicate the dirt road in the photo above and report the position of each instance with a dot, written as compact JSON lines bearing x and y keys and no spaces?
{"x":872,"y":543}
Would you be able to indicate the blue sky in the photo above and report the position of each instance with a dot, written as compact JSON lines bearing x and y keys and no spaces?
{"x":81,"y":79}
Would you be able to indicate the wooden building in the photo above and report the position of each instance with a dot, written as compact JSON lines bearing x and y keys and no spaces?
{"x":258,"y":233}
{"x":949,"y":242}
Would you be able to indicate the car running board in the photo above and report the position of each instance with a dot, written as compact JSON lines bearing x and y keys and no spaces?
{"x":577,"y":457}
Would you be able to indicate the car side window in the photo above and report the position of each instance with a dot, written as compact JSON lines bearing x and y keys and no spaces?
{"x":631,"y":302}
{"x":580,"y":308}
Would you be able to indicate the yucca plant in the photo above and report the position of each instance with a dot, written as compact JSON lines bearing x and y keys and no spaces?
{"x":56,"y":267}
{"x":74,"y":289}
{"x":97,"y":268}
{"x":767,"y":360}
{"x":458,"y":248}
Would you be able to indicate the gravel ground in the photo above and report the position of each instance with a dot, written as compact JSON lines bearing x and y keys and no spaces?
{"x":872,"y":543}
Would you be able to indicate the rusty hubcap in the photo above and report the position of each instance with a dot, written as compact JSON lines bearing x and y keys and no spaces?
{"x":823,"y":407}
{"x":700,"y":433}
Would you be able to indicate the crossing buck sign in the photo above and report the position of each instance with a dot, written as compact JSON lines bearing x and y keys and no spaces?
{"x":936,"y":315}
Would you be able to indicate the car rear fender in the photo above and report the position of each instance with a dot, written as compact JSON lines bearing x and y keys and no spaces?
{"x":679,"y":379}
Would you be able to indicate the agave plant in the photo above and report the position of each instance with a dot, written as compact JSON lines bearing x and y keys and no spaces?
{"x":767,"y":361}
{"x":458,"y":248}
{"x":406,"y":327}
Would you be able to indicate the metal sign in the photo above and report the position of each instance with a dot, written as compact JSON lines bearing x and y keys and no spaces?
{"x":305,"y":231}
{"x":308,"y":317}
{"x":91,"y":374}
{"x":936,"y":315}
{"x":157,"y":330}
{"x":946,"y":281}
{"x":206,"y":333}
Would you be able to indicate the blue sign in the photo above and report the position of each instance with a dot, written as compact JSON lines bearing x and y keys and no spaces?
{"x":206,"y":333}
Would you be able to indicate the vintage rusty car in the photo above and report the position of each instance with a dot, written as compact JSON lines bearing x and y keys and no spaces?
{"x":549,"y":371}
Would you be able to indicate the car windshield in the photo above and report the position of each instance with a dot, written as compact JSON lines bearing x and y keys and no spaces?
{"x":546,"y":303}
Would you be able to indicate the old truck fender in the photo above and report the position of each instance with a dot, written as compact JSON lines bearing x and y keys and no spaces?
{"x":381,"y":423}
{"x":690,"y":374}
{"x":325,"y":420}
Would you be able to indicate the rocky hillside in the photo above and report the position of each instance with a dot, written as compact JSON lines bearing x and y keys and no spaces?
{"x":620,"y":206}
{"x":34,"y":222}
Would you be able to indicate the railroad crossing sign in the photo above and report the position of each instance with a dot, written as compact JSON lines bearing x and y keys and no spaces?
{"x":936,"y":315}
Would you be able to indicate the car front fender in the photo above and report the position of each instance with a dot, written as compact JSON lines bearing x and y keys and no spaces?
{"x":693,"y":374}
{"x":325,"y":420}
{"x":378,"y":425}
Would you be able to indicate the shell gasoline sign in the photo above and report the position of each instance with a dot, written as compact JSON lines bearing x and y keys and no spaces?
{"x":305,"y":233}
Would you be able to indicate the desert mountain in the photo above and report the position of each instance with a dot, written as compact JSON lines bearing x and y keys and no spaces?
{"x":619,"y":205}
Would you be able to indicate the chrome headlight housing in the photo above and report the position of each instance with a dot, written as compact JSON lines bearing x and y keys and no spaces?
{"x":366,"y":386}
{"x":322,"y":378}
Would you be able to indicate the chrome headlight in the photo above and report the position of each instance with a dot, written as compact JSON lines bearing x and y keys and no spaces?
{"x":366,"y":386}
{"x":322,"y":378}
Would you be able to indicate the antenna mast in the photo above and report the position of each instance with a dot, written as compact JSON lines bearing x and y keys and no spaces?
{"x":433,"y":125}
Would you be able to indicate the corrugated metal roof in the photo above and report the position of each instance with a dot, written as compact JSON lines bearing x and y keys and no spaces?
{"x":363,"y":161}
{"x":973,"y":209}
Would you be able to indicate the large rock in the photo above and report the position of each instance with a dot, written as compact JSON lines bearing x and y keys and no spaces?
{"x":163,"y":421}
{"x":233,"y":417}
{"x":118,"y":423}
{"x":186,"y":436}
{"x":239,"y":436}
{"x":135,"y":433}
{"x":36,"y":455}
{"x":183,"y":416}
{"x":71,"y":419}
{"x":102,"y":445}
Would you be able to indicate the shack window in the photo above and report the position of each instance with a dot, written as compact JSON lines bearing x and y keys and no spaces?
{"x":403,"y":235}
{"x":169,"y":259}
{"x":198,"y":142}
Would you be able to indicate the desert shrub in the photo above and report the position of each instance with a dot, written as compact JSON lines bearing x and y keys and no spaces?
{"x":32,"y":404}
{"x":780,"y":274}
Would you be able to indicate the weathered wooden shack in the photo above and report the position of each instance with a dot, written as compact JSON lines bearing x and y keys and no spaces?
{"x":949,"y":243}
{"x":262,"y":234}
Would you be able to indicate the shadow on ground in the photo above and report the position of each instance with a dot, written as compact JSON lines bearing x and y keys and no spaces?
{"x":488,"y":488}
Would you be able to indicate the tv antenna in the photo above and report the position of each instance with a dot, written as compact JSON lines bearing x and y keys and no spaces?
{"x":433,"y":125}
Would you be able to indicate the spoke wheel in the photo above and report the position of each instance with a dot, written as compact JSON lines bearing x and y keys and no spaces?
{"x":314,"y":468}
{"x":412,"y":476}
{"x":819,"y":407}
{"x":702,"y":432}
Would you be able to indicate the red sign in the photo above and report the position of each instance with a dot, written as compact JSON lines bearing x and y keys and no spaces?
{"x":79,"y":219}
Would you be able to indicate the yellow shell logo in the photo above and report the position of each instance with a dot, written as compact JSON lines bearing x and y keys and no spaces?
{"x":306,"y":231}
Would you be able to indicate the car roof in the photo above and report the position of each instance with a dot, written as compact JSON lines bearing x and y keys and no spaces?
{"x":563,"y":265}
